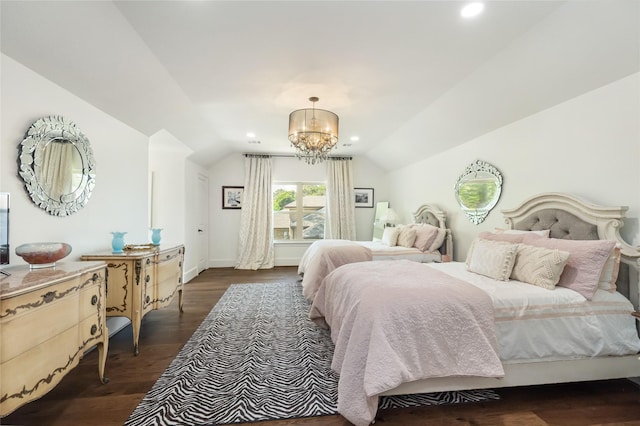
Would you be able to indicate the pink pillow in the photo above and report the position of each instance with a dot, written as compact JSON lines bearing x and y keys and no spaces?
{"x":425,"y":236}
{"x":586,"y":261}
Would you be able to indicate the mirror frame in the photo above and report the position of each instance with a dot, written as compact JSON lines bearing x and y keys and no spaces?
{"x":475,"y":171}
{"x":32,"y":147}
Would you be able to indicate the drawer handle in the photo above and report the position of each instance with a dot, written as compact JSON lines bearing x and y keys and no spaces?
{"x":94,"y":299}
{"x":147,"y":279}
{"x":95,"y":277}
{"x":180,"y":264}
{"x":148,"y":261}
{"x":147,"y":299}
{"x":94,"y":328}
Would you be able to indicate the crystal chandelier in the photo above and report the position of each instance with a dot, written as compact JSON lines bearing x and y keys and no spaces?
{"x":313,"y":132}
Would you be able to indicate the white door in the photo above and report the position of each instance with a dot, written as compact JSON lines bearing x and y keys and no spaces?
{"x":202,"y":224}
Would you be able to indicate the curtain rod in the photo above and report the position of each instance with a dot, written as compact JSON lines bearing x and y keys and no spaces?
{"x":292,"y":156}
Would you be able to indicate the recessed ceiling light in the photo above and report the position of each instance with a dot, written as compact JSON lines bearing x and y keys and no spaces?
{"x":354,"y":138}
{"x":472,"y":10}
{"x":251,"y":135}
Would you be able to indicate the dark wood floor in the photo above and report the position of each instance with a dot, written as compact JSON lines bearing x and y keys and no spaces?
{"x":80,"y":399}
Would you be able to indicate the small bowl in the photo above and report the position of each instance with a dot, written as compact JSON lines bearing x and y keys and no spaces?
{"x":43,"y":255}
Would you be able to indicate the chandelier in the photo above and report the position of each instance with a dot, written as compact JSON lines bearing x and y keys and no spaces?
{"x":313,"y":132}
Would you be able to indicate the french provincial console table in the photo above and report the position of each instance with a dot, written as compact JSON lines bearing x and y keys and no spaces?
{"x":139,"y":281}
{"x":48,"y":318}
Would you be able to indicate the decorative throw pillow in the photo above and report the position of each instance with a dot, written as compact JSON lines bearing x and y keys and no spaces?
{"x":490,"y":236}
{"x":610,"y":271}
{"x":493,"y":259}
{"x":425,"y":235}
{"x":407,"y":236}
{"x":539,"y":266}
{"x":586,"y":261}
{"x":390,"y":236}
{"x":543,"y":233}
{"x":437,"y":242}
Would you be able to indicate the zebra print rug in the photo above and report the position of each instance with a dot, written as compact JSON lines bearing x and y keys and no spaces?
{"x":257,"y":356}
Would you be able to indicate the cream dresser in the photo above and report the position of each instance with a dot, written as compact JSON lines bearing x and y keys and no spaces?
{"x":48,"y":319}
{"x":139,"y":281}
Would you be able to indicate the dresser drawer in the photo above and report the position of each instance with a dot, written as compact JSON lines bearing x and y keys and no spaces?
{"x":90,"y":300}
{"x":169,"y":276}
{"x":89,"y":330}
{"x":36,"y":317}
{"x":38,"y":369}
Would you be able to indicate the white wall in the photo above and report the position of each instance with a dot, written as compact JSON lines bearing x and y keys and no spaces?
{"x":119,"y":201}
{"x":225,"y":224}
{"x":174,"y":196}
{"x":588,"y":146}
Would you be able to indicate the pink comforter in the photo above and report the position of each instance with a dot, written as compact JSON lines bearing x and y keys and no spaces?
{"x":328,"y":257}
{"x":397,"y":321}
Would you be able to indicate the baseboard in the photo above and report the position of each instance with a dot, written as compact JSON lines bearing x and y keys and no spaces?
{"x":222,"y":263}
{"x":292,"y":261}
{"x":190,"y":274}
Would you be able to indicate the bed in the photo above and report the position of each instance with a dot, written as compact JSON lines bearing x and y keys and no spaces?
{"x":323,"y":256}
{"x":391,"y":328}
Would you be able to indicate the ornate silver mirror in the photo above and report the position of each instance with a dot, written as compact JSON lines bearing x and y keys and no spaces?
{"x":478,"y":190}
{"x":57,"y":165}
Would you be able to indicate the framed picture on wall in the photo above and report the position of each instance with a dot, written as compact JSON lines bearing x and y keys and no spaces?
{"x":232,"y":197}
{"x":364,"y":197}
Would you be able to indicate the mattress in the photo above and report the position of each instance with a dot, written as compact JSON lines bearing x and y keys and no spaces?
{"x":533,"y":323}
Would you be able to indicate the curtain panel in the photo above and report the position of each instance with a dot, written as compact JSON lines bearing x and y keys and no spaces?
{"x":340,"y":222}
{"x":255,"y":248}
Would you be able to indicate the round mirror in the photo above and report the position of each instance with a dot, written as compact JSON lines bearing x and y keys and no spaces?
{"x":478,"y":190}
{"x":57,"y":165}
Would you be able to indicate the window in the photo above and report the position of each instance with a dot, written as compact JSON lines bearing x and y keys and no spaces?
{"x":298,"y":217}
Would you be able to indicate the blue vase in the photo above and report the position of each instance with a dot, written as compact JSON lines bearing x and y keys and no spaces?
{"x":155,"y":236}
{"x":117,"y":243}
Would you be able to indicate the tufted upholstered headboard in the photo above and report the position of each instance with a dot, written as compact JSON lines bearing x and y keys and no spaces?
{"x":570,"y":218}
{"x":428,"y":213}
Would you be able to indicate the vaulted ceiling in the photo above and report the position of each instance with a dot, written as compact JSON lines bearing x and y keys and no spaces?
{"x":411,"y":79}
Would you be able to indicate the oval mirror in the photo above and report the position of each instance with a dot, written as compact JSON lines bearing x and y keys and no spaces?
{"x":57,"y":165}
{"x":478,"y":190}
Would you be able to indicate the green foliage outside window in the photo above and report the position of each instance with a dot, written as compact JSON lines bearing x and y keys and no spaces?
{"x":281,"y":198}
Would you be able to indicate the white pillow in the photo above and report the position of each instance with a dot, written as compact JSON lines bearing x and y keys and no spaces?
{"x":542,"y":233}
{"x":609,"y":274}
{"x":539,"y":266}
{"x":390,"y":236}
{"x":493,"y":259}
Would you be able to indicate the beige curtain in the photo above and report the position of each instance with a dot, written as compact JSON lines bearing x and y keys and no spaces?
{"x":57,"y":168}
{"x":341,"y":222}
{"x":255,"y":248}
